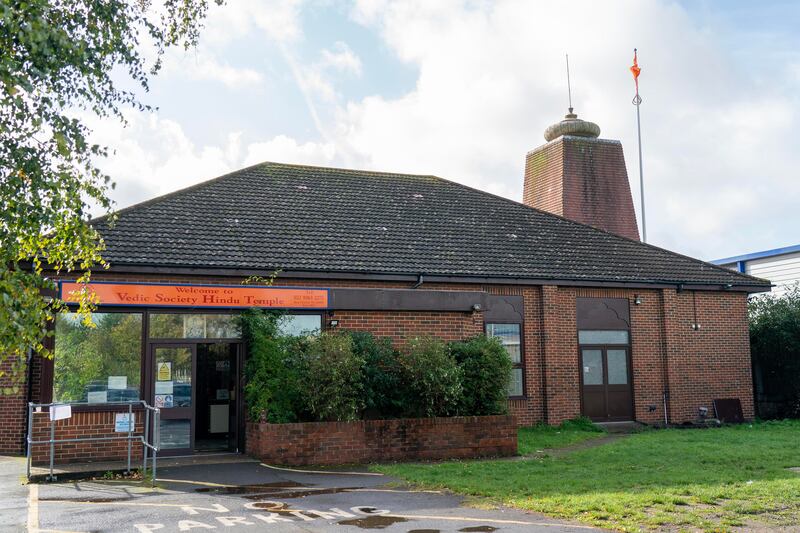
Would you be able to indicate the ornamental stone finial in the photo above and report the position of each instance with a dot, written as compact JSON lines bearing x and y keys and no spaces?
{"x":572,"y":125}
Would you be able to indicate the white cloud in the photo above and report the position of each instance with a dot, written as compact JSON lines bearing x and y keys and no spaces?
{"x":279,"y":20}
{"x":153,"y":156}
{"x":285,"y":149}
{"x":341,"y":58}
{"x":198,"y":66}
{"x":717,"y":146}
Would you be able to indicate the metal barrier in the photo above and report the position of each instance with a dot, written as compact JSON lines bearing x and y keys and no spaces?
{"x":144,"y":438}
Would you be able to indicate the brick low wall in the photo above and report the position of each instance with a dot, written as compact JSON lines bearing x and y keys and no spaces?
{"x":81,"y":425}
{"x":329,"y":443}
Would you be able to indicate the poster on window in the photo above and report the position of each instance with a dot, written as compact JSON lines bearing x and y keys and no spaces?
{"x":97,"y":397}
{"x":164,"y":371}
{"x":164,"y":400}
{"x":164,"y":387}
{"x":117,"y":382}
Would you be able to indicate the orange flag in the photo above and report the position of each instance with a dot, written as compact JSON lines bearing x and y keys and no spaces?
{"x":635,"y":70}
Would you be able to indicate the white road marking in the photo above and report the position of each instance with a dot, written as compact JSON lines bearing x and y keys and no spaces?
{"x":33,"y":507}
{"x":148,"y":528}
{"x":215,"y":508}
{"x":219,"y":508}
{"x":321,"y":471}
{"x":203,"y":483}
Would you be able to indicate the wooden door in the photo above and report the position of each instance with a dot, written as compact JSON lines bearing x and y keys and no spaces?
{"x":607,"y":394}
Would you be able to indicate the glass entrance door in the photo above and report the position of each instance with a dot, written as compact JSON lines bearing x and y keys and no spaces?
{"x":605,"y":377}
{"x":216,"y":383}
{"x":174,"y":366}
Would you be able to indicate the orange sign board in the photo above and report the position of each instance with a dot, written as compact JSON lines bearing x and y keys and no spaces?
{"x":156,"y":295}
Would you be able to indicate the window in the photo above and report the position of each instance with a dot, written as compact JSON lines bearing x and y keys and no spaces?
{"x":509,"y":335}
{"x":591,"y":336}
{"x":193,"y":326}
{"x":97,"y":364}
{"x":300,"y":324}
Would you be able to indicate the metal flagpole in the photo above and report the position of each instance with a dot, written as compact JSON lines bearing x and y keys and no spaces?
{"x":637,"y":101}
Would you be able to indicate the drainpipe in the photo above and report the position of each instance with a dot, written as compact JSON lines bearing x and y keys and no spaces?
{"x":419,"y":282}
{"x":28,"y":393}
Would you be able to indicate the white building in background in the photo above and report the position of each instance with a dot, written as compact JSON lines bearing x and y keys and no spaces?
{"x":781,"y":266}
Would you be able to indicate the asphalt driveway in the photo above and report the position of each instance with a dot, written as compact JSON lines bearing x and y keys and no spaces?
{"x":244,"y":495}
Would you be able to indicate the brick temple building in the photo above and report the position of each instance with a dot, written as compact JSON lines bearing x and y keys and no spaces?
{"x":596,"y":322}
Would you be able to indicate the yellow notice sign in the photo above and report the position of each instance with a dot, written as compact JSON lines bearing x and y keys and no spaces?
{"x":164,"y":372}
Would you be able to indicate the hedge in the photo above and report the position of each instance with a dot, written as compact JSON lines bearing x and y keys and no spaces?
{"x":346,"y":375}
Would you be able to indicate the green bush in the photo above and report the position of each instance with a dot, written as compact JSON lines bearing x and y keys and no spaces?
{"x":271,"y":389}
{"x":775,"y":348}
{"x":432,"y":379}
{"x":384,"y":396}
{"x":331,"y":379}
{"x":486,"y":366}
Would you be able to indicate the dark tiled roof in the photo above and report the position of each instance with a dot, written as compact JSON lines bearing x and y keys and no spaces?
{"x":292,"y":217}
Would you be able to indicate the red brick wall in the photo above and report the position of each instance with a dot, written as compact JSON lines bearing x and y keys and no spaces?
{"x":329,"y":443}
{"x":584,"y":180}
{"x":543,"y":187}
{"x":12,"y":412}
{"x":700,"y":365}
{"x":712,"y":362}
{"x":81,"y":425}
{"x":404,"y":325}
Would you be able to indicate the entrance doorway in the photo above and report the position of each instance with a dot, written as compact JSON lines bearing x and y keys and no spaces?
{"x":605,"y":378}
{"x":196,"y":387}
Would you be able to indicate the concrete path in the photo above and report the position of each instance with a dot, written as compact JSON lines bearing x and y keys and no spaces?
{"x":14,"y":499}
{"x":248,"y":496}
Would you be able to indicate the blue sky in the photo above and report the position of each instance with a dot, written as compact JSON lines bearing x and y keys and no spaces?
{"x":463,"y":89}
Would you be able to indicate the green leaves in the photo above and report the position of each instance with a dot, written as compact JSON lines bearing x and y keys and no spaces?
{"x":56,"y":58}
{"x":775,"y":348}
{"x":487,"y":372}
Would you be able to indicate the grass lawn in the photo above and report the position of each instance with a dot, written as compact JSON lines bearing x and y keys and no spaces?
{"x":543,"y":437}
{"x":713,"y":479}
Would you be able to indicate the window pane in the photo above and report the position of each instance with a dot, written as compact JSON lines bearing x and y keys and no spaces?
{"x":175,"y":433}
{"x":509,"y":335}
{"x":97,"y":364}
{"x":515,"y":385}
{"x":173,"y":370}
{"x":617,"y":367}
{"x":592,"y":367}
{"x":513,"y":352}
{"x":193,"y":326}
{"x":300,"y":324}
{"x":587,"y":336}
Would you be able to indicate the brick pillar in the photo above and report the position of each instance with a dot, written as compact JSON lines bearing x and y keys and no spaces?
{"x":671,"y":350}
{"x":12,"y":413}
{"x":560,"y":348}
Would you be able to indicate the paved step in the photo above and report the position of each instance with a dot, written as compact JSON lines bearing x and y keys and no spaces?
{"x":623,"y":428}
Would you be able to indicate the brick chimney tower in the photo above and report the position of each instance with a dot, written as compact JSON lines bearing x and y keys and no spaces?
{"x":581,"y":177}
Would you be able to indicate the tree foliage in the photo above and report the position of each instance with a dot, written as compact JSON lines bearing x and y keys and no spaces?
{"x":487,"y":372}
{"x":775,"y":347}
{"x":384,"y":395}
{"x":433,"y":379}
{"x":60,"y":62}
{"x":271,"y":390}
{"x":332,"y":378}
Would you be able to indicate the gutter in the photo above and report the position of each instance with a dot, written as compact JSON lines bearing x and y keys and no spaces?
{"x":415,"y":278}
